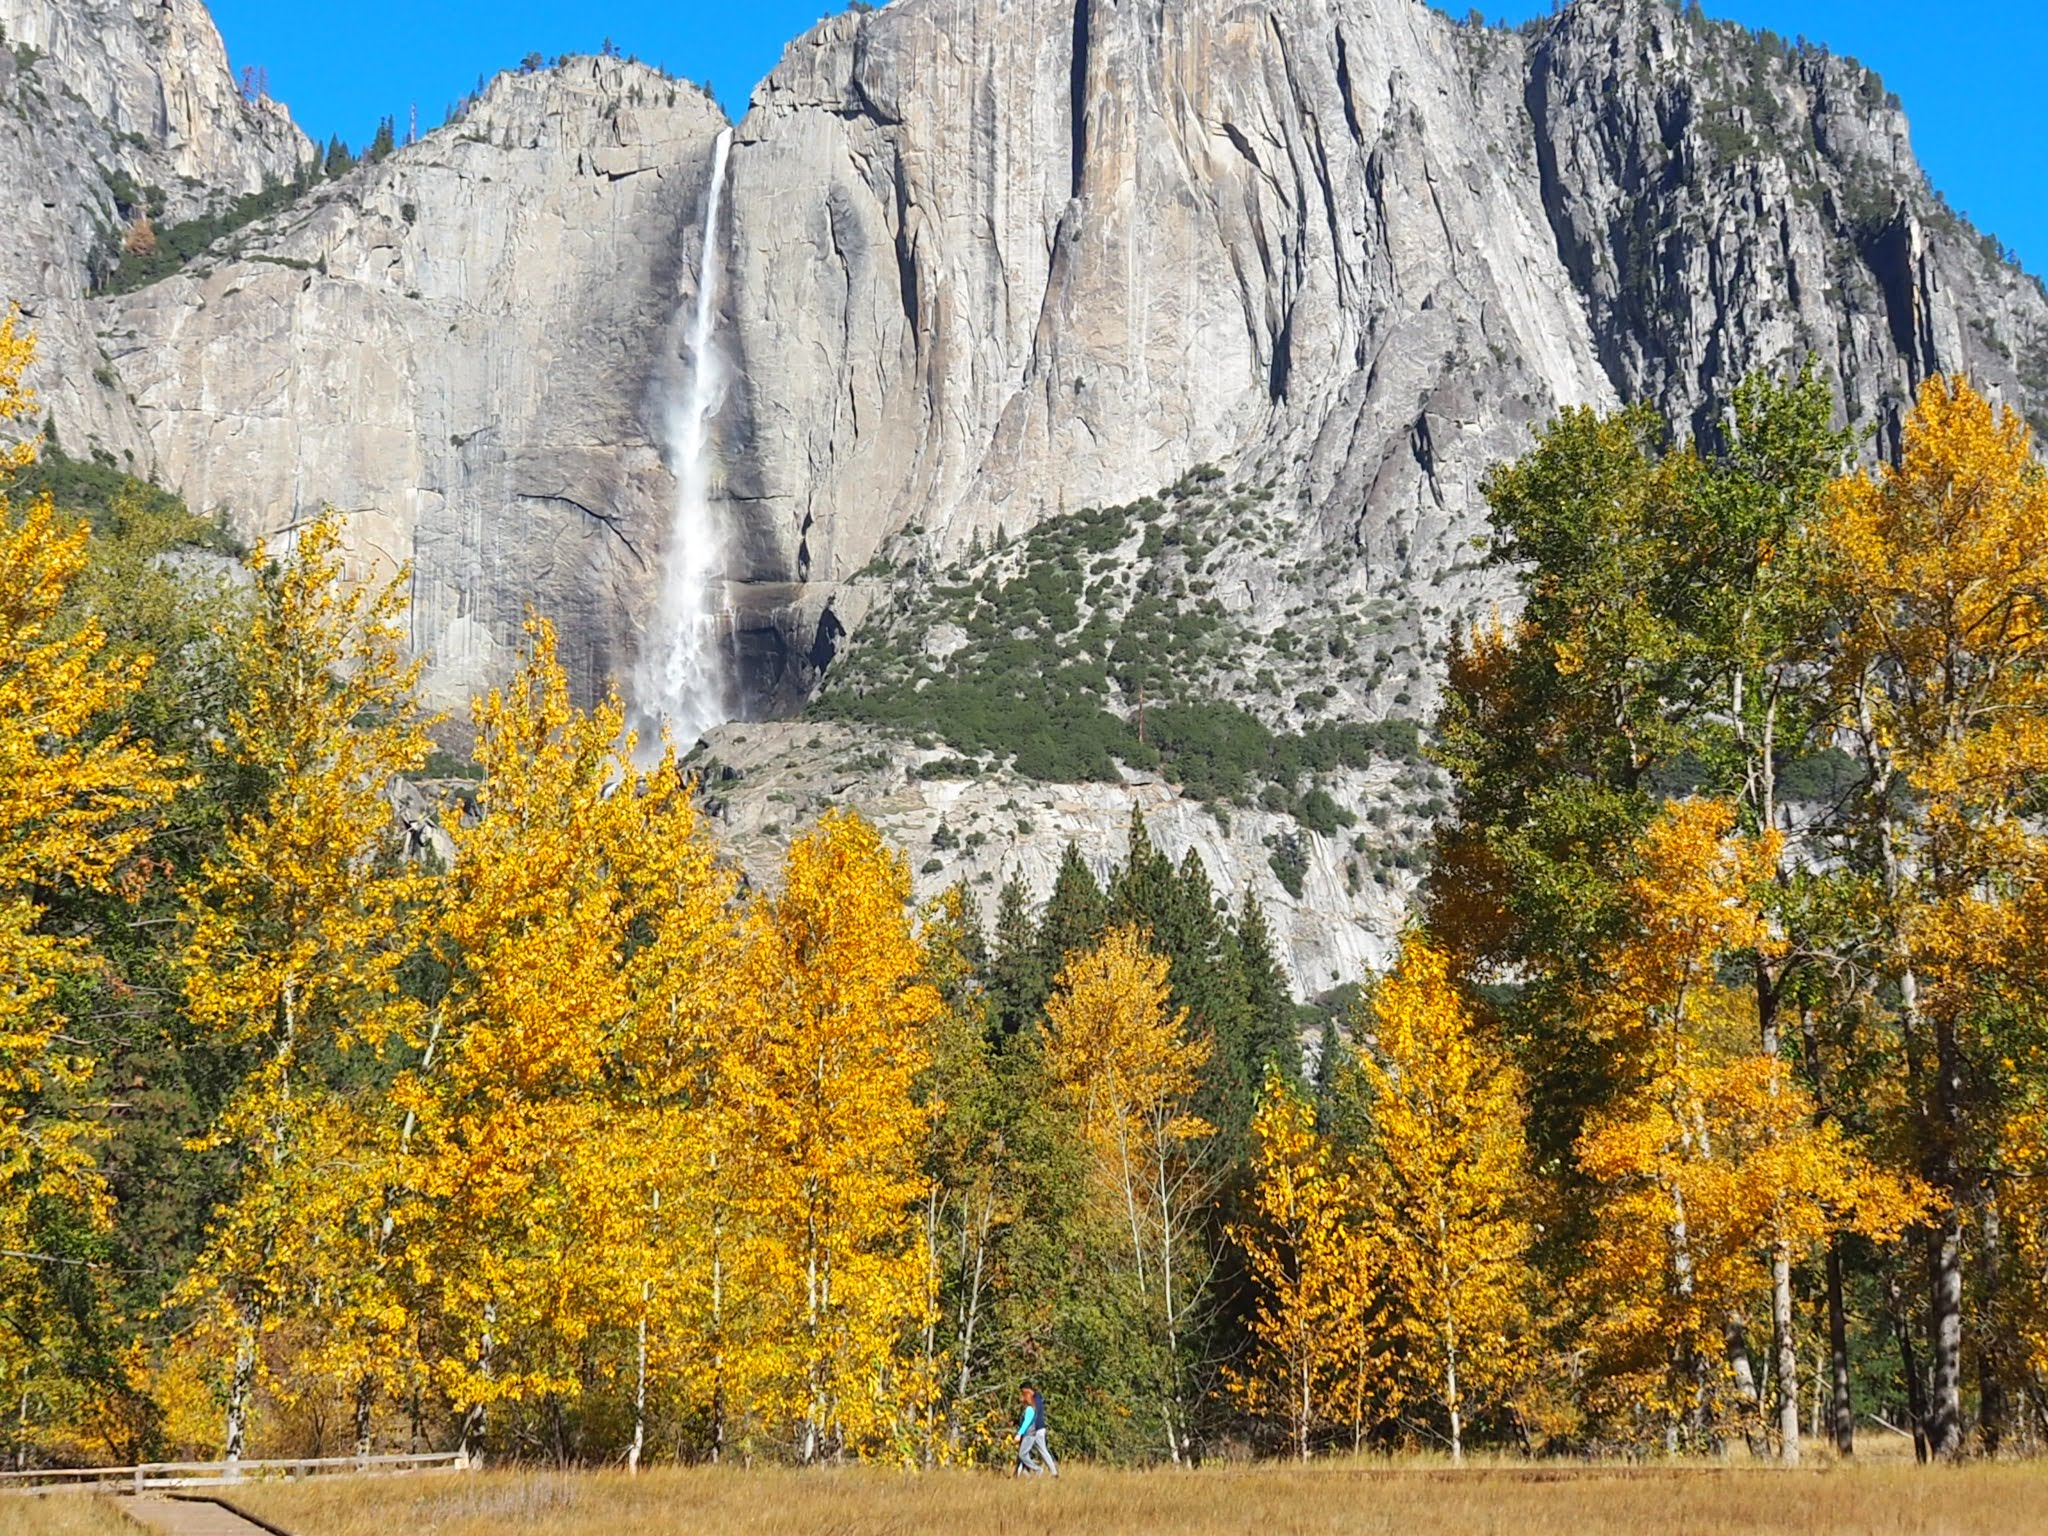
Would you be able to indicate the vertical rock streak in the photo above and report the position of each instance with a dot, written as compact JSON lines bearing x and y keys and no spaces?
{"x":683,"y":674}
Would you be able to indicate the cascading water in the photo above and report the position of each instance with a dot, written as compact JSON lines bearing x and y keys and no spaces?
{"x":683,"y":677}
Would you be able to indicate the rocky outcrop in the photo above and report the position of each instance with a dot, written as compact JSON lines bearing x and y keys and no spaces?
{"x":770,"y":778}
{"x":456,"y":346}
{"x":98,"y":93}
{"x":1724,"y":201}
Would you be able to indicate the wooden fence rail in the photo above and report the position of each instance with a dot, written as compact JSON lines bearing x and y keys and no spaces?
{"x":218,"y":1474}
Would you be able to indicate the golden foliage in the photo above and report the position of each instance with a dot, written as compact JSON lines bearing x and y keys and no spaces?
{"x":1318,"y":1333}
{"x":1123,"y":1063}
{"x":1448,"y":1190}
{"x":828,"y":1080}
{"x":297,"y":929}
{"x":1121,"y":1057}
{"x":1711,"y":1153}
{"x":72,"y":796}
{"x":1945,"y":561}
{"x":550,"y":1182}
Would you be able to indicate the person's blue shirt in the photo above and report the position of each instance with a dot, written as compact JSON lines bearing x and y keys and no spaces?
{"x":1030,"y":1421}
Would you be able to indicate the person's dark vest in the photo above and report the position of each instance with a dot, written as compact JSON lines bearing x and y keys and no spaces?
{"x":1038,"y":1402}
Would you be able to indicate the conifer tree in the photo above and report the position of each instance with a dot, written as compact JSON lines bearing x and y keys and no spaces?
{"x":1272,"y":1034}
{"x":1018,"y":981}
{"x":1074,"y":913}
{"x":1142,"y":890}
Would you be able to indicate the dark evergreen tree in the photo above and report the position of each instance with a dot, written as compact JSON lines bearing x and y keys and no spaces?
{"x":1272,"y":1028}
{"x":385,"y":141}
{"x":1335,"y":1083}
{"x":1074,"y":914}
{"x":339,"y":161}
{"x":1143,"y":891}
{"x":1018,"y":982}
{"x":1208,"y":980}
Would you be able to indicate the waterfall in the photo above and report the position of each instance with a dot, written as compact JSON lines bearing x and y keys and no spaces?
{"x":683,"y":678}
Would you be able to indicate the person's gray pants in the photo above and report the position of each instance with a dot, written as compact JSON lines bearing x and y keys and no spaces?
{"x":1035,"y":1454}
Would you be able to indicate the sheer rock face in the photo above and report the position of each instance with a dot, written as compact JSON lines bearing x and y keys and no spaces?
{"x":463,"y":347}
{"x":999,"y":258}
{"x":1722,"y":206}
{"x":996,"y":258}
{"x":91,"y":90}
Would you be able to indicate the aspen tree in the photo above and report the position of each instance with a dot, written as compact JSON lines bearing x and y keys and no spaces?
{"x":1447,"y":1174}
{"x":1712,"y":1162}
{"x":838,"y":975}
{"x":298,"y":926}
{"x":672,"y":1139}
{"x":964,"y":1175}
{"x":589,"y":960}
{"x":1941,"y":564}
{"x":1124,"y":1062}
{"x":1313,"y":1268}
{"x":72,"y":800}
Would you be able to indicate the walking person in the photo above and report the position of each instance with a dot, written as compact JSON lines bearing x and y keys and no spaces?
{"x":1039,"y":1427}
{"x":1034,"y":1452}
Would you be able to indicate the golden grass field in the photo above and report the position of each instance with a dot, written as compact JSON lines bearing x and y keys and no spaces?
{"x":1333,"y":1499}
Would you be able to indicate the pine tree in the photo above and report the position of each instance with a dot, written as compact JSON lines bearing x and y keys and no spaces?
{"x":1018,"y":981}
{"x":1272,"y":1033}
{"x":1142,"y":890}
{"x":385,"y":141}
{"x":1208,"y":980}
{"x":1074,"y":914}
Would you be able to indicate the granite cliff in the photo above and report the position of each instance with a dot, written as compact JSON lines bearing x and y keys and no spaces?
{"x":1000,"y":268}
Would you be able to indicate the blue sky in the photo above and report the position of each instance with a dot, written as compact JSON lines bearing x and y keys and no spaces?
{"x":1972,"y":74}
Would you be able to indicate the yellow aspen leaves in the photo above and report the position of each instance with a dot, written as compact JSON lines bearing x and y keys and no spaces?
{"x":1120,"y":1058}
{"x":1945,"y":559}
{"x":1710,"y":1152}
{"x":296,"y":931}
{"x":1320,"y":1340}
{"x":1448,"y":1190}
{"x":73,"y":798}
{"x":837,"y":1052}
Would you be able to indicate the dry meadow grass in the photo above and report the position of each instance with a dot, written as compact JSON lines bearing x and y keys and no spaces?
{"x":1272,"y":1500}
{"x":62,"y":1514}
